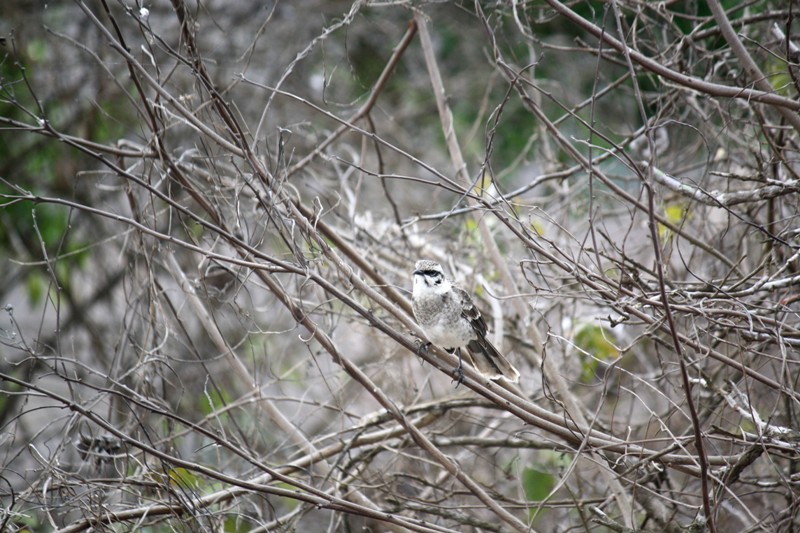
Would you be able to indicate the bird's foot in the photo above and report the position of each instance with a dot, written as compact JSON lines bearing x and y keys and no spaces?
{"x":422,"y":349}
{"x":458,"y":374}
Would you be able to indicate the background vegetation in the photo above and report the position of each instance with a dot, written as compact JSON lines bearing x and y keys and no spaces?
{"x":210,"y":211}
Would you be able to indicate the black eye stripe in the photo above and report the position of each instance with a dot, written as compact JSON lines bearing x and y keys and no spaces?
{"x":431,"y":273}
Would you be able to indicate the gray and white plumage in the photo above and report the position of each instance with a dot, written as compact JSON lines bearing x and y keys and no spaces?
{"x":450,"y":320}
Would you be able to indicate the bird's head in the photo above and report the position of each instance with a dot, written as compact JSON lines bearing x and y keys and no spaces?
{"x":428,"y":276}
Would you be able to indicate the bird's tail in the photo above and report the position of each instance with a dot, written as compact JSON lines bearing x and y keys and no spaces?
{"x":489,"y":362}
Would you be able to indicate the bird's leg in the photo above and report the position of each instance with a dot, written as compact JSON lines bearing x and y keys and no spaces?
{"x":423,"y":348}
{"x":458,"y":372}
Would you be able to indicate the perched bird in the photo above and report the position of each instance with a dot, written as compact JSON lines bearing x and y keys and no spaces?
{"x":450,"y":320}
{"x":218,"y":283}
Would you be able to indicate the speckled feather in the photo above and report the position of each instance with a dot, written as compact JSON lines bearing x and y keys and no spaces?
{"x":449,"y":318}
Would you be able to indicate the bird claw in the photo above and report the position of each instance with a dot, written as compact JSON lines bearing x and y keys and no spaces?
{"x":422,"y":349}
{"x":458,"y":373}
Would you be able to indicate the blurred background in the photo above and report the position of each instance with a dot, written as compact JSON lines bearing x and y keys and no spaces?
{"x":209,"y":214}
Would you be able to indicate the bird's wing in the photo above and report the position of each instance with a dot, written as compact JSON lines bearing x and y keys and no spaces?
{"x":470,"y":312}
{"x":485,"y":357}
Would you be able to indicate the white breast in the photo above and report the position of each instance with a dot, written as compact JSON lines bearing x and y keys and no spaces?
{"x":438,"y":312}
{"x":450,"y":334}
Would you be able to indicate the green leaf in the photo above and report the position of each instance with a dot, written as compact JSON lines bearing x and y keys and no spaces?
{"x":194,"y":229}
{"x":537,"y":226}
{"x":598,"y":343}
{"x":36,"y":50}
{"x":674,"y":214}
{"x":536,"y":484}
{"x":483,"y":185}
{"x":237,"y":524}
{"x":290,"y":503}
{"x":185,"y":478}
{"x":214,"y":399}
{"x":35,"y":286}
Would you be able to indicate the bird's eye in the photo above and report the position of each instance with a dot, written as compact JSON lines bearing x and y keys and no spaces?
{"x":435,"y":276}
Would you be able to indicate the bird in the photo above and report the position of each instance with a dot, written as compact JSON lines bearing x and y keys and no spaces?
{"x":218,"y":283}
{"x":450,"y":320}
